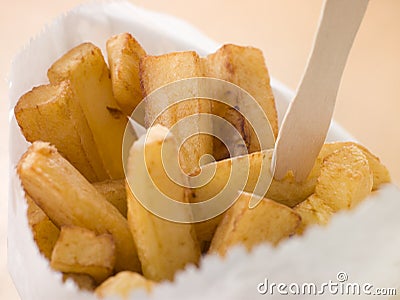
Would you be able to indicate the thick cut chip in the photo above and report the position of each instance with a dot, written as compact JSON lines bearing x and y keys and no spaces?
{"x":123,"y":284}
{"x":224,"y":174}
{"x":85,"y":68}
{"x":69,"y":199}
{"x":345,"y":178}
{"x":157,"y":71}
{"x":124,"y":54}
{"x":269,"y":222}
{"x":163,"y":246}
{"x":45,"y":233}
{"x":313,"y":210}
{"x":79,"y":250}
{"x":379,"y":171}
{"x":83,"y":281}
{"x":286,"y":191}
{"x":52,"y":113}
{"x":114,"y":192}
{"x":245,"y":67}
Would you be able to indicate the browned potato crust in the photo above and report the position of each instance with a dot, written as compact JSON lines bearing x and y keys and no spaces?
{"x":124,"y":54}
{"x":269,"y":222}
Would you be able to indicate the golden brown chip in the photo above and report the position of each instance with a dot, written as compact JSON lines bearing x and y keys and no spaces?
{"x":45,"y":233}
{"x":79,"y":250}
{"x":245,"y":67}
{"x":123,"y":284}
{"x":114,"y":192}
{"x":124,"y":54}
{"x":157,"y":71}
{"x":85,"y":68}
{"x":345,"y":178}
{"x":52,"y":113}
{"x":163,"y":246}
{"x":313,"y":210}
{"x":83,"y":281}
{"x":269,"y":222}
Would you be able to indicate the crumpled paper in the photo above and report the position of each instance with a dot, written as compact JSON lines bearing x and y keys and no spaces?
{"x":364,"y":243}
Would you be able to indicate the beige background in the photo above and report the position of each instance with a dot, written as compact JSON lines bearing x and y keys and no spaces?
{"x":369,"y":99}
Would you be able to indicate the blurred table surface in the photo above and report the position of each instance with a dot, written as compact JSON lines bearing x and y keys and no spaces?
{"x":368,"y":103}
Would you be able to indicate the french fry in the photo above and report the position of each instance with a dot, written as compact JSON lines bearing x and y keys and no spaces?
{"x":313,"y":210}
{"x":348,"y":169}
{"x":80,"y":250}
{"x":85,"y":68}
{"x":69,"y":199}
{"x":157,"y":71}
{"x":52,"y":113}
{"x":205,"y":230}
{"x":124,"y":54}
{"x":123,"y":284}
{"x":83,"y":281}
{"x":287,"y":192}
{"x":163,"y":246}
{"x":114,"y":192}
{"x":379,"y":171}
{"x":344,"y":181}
{"x":245,"y":67}
{"x":45,"y":233}
{"x":269,"y":222}
{"x":290,"y":192}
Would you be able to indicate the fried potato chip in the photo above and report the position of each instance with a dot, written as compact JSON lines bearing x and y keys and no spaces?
{"x":269,"y":222}
{"x":80,"y":250}
{"x":85,"y":68}
{"x":123,"y":284}
{"x":124,"y":54}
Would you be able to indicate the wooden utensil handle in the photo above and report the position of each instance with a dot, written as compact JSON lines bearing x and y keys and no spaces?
{"x":307,"y":120}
